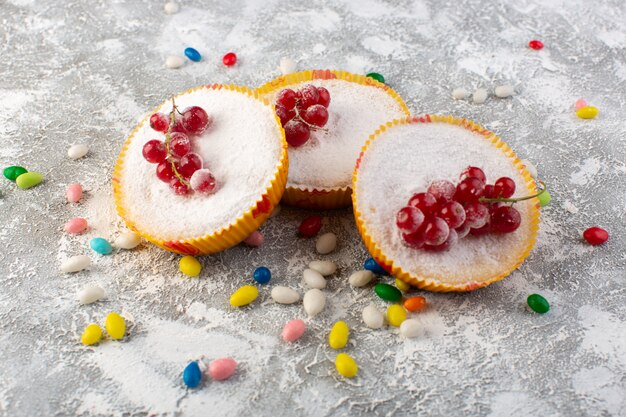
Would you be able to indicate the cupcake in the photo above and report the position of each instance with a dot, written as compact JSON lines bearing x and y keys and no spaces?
{"x":202,"y":178}
{"x":327,"y":116}
{"x":444,"y":204}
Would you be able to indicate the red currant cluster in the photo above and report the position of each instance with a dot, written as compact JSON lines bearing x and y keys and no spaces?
{"x":302,"y":110}
{"x":437,"y":219}
{"x":177,"y":165}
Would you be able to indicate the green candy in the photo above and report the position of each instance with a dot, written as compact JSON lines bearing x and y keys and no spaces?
{"x":11,"y":173}
{"x":538,"y":304}
{"x":388,"y":292}
{"x":544,"y":198}
{"x":28,"y":180}
{"x":378,"y":77}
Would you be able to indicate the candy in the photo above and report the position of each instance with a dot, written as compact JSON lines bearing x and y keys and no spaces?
{"x":310,"y":226}
{"x":503,"y":91}
{"x":360,"y":278}
{"x":101,"y":246}
{"x":174,"y":62}
{"x":127,"y":240}
{"x":371,"y":265}
{"x":325,"y":268}
{"x":229,"y":59}
{"x":372,"y":317}
{"x":338,"y":337}
{"x":396,"y":314}
{"x":535,"y":44}
{"x":376,"y":76}
{"x":192,"y":376}
{"x":12,"y":172}
{"x":544,"y":198}
{"x":76,"y":225}
{"x":171,"y":7}
{"x":90,"y":294}
{"x":192,"y":54}
{"x":326,"y":243}
{"x":256,"y":239}
{"x":480,"y":96}
{"x":28,"y":180}
{"x":411,"y":328}
{"x":293,"y":330}
{"x":538,"y":304}
{"x":346,"y":366}
{"x":115,"y":325}
{"x":414,"y":304}
{"x":244,"y":296}
{"x":401,"y":285}
{"x":221,"y":369}
{"x":190,"y":266}
{"x":313,"y":279}
{"x":285,"y":295}
{"x":262,"y":275}
{"x":91,"y":335}
{"x":388,"y":292}
{"x":74,"y":193}
{"x":75,"y":263}
{"x":77,"y":151}
{"x":287,"y":66}
{"x":314,"y":302}
{"x":580,"y":103}
{"x":595,"y":235}
{"x":588,"y":112}
{"x":459,"y":93}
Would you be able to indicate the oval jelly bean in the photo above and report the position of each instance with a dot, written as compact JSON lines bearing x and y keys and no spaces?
{"x":361,"y":278}
{"x":544,"y":198}
{"x":580,"y":103}
{"x":346,"y":366}
{"x":293,"y":330}
{"x":91,"y":335}
{"x":388,"y":292}
{"x":313,"y":279}
{"x":372,"y":317}
{"x":77,"y":151}
{"x":262,"y":275}
{"x":376,"y":76}
{"x":414,"y":304}
{"x":338,"y":337}
{"x":74,"y":193}
{"x":538,"y":304}
{"x":11,"y":173}
{"x":402,"y":286}
{"x":310,"y":226}
{"x":28,"y":180}
{"x":411,"y":328}
{"x":256,"y":239}
{"x":174,"y":62}
{"x":75,"y":263}
{"x":285,"y":295}
{"x":588,"y":112}
{"x":314,"y":302}
{"x":101,"y":246}
{"x":193,"y":54}
{"x":115,"y":325}
{"x":192,"y":376}
{"x":323,"y":267}
{"x":90,"y":294}
{"x":396,"y":314}
{"x":372,"y":265}
{"x":190,"y":266}
{"x":244,"y":296}
{"x":76,"y":225}
{"x":326,"y":243}
{"x":127,"y":240}
{"x":221,"y":369}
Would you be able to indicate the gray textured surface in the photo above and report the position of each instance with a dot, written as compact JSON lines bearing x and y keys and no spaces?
{"x":87,"y":71}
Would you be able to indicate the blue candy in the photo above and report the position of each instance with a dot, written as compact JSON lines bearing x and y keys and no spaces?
{"x":192,"y":54}
{"x":101,"y":246}
{"x":262,"y":275}
{"x":373,"y":266}
{"x":192,"y":376}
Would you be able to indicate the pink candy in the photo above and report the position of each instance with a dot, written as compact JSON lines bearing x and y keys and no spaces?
{"x":221,"y":369}
{"x":580,"y":103}
{"x":76,"y":225}
{"x":255,"y":239}
{"x":293,"y":330}
{"x":74,"y":193}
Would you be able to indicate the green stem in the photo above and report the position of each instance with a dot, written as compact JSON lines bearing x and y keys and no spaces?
{"x":513,"y":200}
{"x":313,"y":127}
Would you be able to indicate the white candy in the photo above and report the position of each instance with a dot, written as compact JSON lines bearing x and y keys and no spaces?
{"x":411,"y":328}
{"x":90,"y":294}
{"x":171,"y":7}
{"x":326,"y":243}
{"x":76,"y":263}
{"x":285,"y":295}
{"x":314,"y":302}
{"x":480,"y":96}
{"x":372,"y":317}
{"x":287,"y":66}
{"x":127,"y":240}
{"x":325,"y":268}
{"x":530,"y":167}
{"x":174,"y":62}
{"x":459,"y":93}
{"x":77,"y":151}
{"x":360,"y":278}
{"x":503,"y":91}
{"x":313,"y":279}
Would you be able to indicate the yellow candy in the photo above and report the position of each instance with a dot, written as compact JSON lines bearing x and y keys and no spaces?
{"x":190,"y":266}
{"x":244,"y":296}
{"x":338,"y":336}
{"x":401,"y":285}
{"x":588,"y":112}
{"x":346,"y":366}
{"x":91,"y":335}
{"x":115,"y":325}
{"x":396,"y":314}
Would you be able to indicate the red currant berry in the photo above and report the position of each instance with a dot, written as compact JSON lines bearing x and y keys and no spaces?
{"x":462,"y":230}
{"x":452,"y":213}
{"x":504,"y":187}
{"x":195,"y":120}
{"x":154,"y":151}
{"x":474,"y":172}
{"x":203,"y":181}
{"x":324,"y":96}
{"x":229,"y":59}
{"x":505,"y":219}
{"x":178,"y":127}
{"x":178,"y":187}
{"x":426,"y":202}
{"x":452,"y":239}
{"x":595,"y":235}
{"x":284,"y":115}
{"x":309,"y":96}
{"x":435,"y":230}
{"x":189,"y":164}
{"x":535,"y":44}
{"x":180,"y":145}
{"x":409,"y":219}
{"x":442,"y":190}
{"x":164,"y":171}
{"x":159,"y":122}
{"x":296,"y":133}
{"x":310,"y":226}
{"x":488,"y":192}
{"x":286,"y":98}
{"x":469,"y":189}
{"x":414,"y":240}
{"x":316,"y":115}
{"x":476,"y":215}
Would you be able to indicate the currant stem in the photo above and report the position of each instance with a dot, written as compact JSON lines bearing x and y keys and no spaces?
{"x":514,"y":200}
{"x":168,"y":139}
{"x":295,"y":108}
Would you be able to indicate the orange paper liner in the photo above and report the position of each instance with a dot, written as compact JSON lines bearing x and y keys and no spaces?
{"x":237,"y":231}
{"x":433,"y":283}
{"x":331,"y":197}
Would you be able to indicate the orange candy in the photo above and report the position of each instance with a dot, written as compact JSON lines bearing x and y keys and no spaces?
{"x":415,"y":303}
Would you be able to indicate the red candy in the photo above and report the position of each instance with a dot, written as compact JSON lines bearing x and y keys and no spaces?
{"x":310,"y":226}
{"x":535,"y":44}
{"x":595,"y":235}
{"x":229,"y":59}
